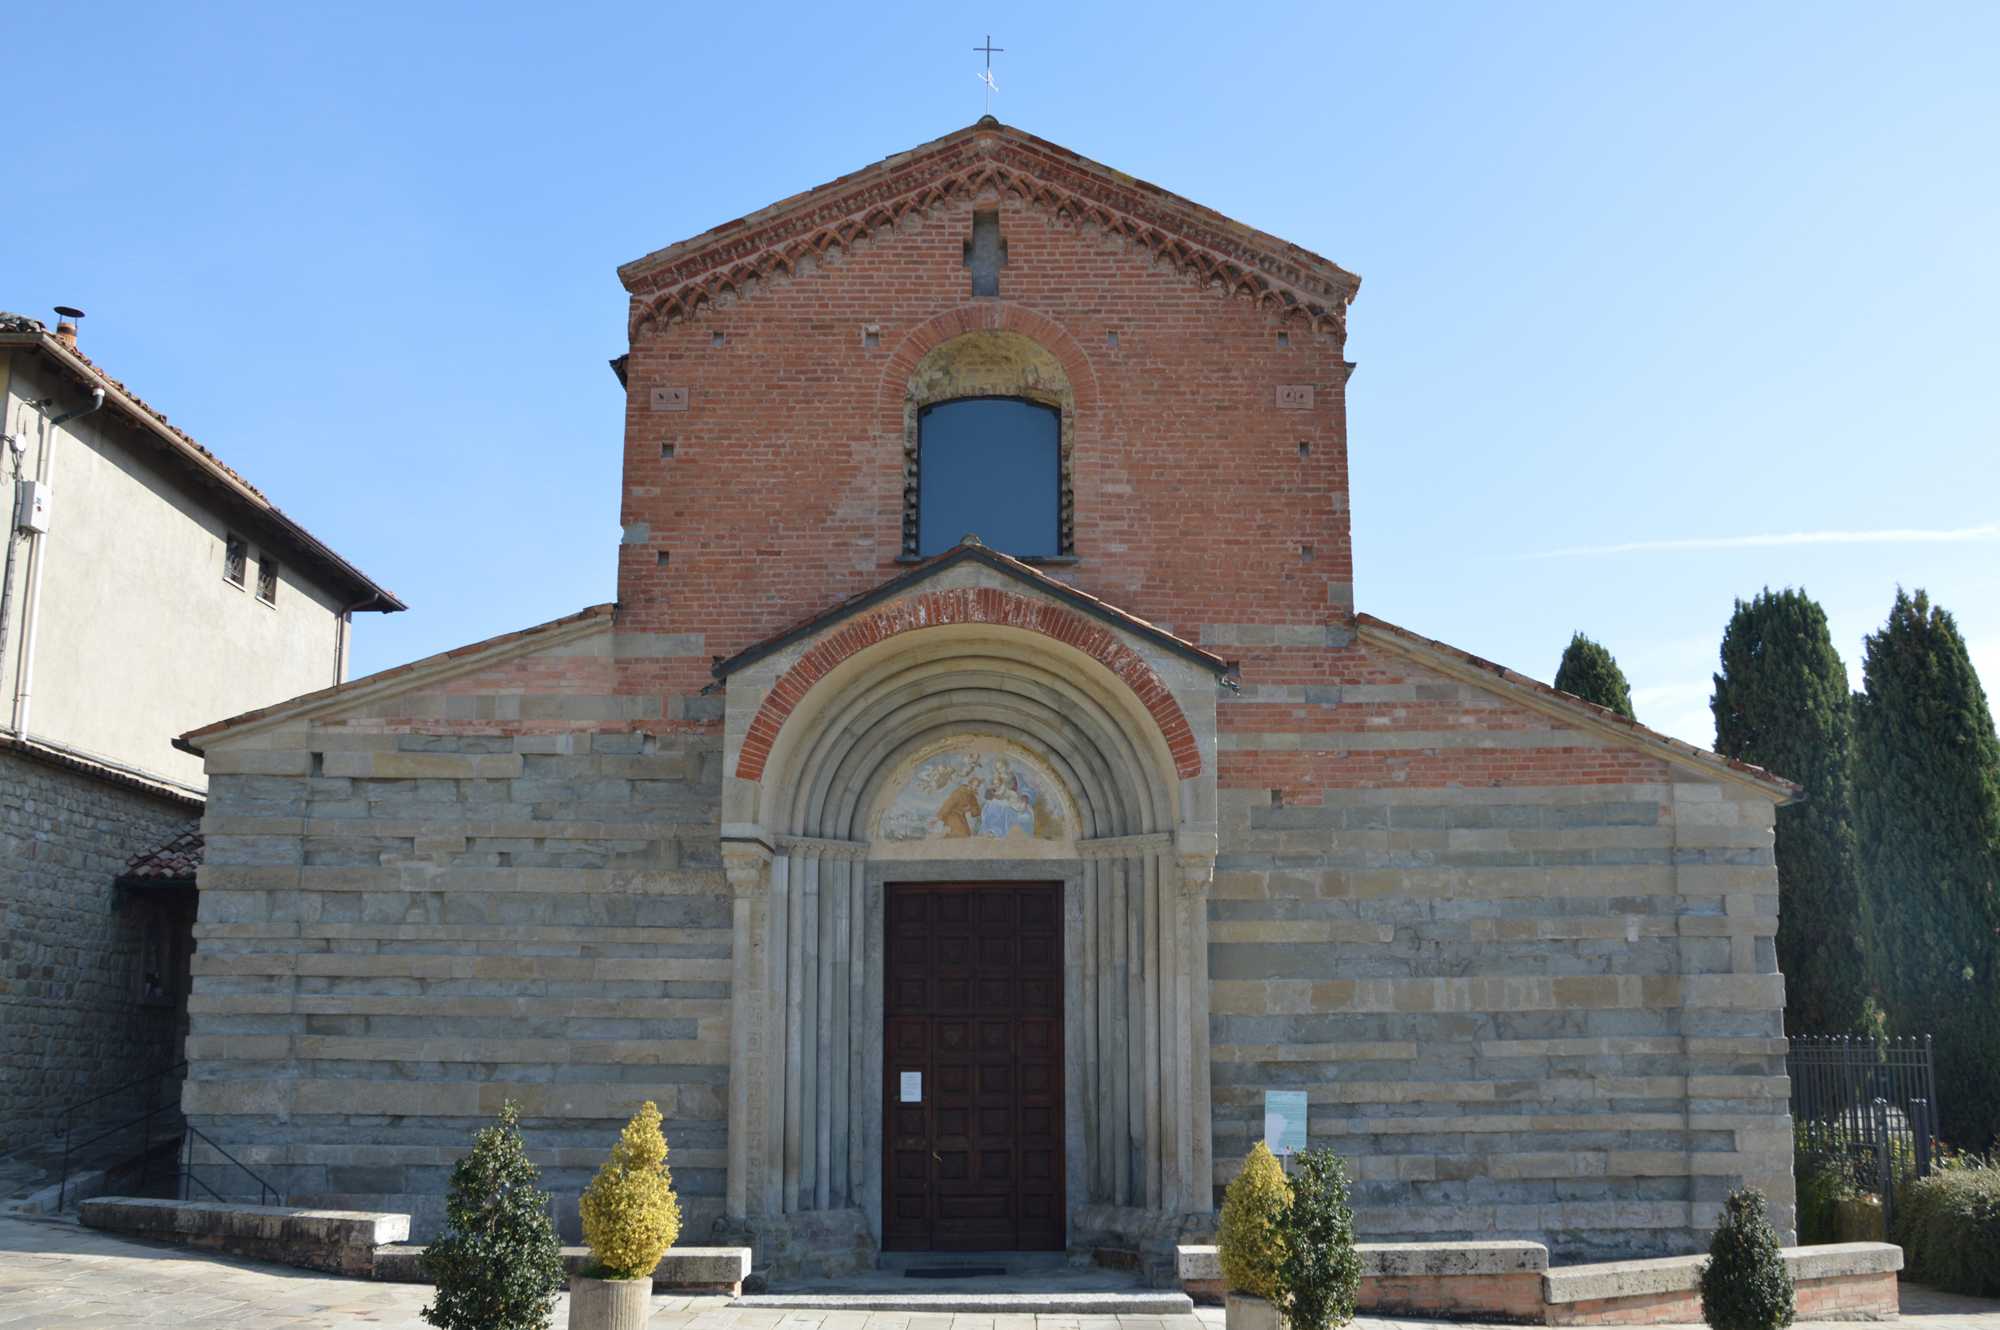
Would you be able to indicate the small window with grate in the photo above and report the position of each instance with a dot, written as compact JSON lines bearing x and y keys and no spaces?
{"x":235,"y":555}
{"x":267,"y":579}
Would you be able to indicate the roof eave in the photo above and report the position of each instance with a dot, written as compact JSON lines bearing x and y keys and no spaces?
{"x":1010,"y":567}
{"x":630,"y":274}
{"x":1538,"y":696}
{"x":408,"y":677}
{"x":376,"y":597}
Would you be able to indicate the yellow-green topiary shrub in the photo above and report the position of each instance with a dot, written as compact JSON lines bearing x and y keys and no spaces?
{"x":1247,"y":1238}
{"x":630,"y":1216}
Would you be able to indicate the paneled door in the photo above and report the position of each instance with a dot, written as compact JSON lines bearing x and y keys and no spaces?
{"x":974,"y":1094}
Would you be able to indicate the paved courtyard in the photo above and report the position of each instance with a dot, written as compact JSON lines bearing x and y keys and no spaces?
{"x":57,"y":1275}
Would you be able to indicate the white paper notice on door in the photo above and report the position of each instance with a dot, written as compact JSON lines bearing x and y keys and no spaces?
{"x":913,"y":1087}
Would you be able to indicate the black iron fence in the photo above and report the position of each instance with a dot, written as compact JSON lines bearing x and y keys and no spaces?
{"x":1869,"y":1102}
{"x":135,"y":1140}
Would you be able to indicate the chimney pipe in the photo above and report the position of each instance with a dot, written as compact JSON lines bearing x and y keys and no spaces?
{"x":66,"y":325}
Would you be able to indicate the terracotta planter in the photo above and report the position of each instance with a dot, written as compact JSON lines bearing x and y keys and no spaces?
{"x":610,"y":1304}
{"x":1240,"y":1311}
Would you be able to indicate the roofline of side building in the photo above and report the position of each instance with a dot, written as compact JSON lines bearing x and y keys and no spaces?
{"x":234,"y":492}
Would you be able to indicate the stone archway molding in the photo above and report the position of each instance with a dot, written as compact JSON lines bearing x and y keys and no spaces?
{"x":969,"y":605}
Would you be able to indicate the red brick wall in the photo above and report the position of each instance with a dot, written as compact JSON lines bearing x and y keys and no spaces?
{"x":785,"y":492}
{"x":1848,"y":1298}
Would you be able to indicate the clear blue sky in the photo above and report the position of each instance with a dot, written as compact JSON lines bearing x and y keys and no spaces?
{"x":1674,"y":277}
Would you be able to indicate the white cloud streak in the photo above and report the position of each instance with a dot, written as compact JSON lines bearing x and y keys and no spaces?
{"x":1971,"y":534}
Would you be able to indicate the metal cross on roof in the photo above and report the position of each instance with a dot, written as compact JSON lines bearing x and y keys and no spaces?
{"x":987,"y":78}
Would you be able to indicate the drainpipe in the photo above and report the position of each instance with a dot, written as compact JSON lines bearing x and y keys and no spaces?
{"x":15,"y":446}
{"x":43,"y":466}
{"x":342,"y":623}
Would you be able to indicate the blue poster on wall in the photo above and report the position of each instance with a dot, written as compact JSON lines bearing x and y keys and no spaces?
{"x":1285,"y":1121}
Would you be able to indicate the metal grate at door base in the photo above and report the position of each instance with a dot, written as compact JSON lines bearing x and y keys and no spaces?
{"x":955,"y":1272}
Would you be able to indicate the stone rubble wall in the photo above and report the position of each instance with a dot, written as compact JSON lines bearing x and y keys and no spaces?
{"x":72,"y":1024}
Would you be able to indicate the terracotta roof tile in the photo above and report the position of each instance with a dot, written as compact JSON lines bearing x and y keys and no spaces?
{"x":174,"y":859}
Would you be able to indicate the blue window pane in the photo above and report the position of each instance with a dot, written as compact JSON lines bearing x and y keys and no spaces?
{"x":989,"y":467}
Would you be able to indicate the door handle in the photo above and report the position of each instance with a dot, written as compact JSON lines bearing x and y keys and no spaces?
{"x":935,"y":1155}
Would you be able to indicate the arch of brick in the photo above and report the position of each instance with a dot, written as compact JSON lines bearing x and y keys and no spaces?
{"x":931,"y":609}
{"x":986,"y":316}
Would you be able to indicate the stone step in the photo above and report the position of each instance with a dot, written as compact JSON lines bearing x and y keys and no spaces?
{"x":1027,"y":1302}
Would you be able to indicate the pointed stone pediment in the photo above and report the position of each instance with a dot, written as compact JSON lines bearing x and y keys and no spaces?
{"x":796,"y":234}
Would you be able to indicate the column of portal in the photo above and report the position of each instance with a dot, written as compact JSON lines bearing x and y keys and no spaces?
{"x":749,"y":870}
{"x":830,"y":1142}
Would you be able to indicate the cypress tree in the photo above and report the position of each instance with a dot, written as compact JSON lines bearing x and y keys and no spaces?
{"x":1782,"y":703}
{"x":1745,"y":1283}
{"x":1927,"y":812}
{"x":498,"y":1262}
{"x":1589,"y":671}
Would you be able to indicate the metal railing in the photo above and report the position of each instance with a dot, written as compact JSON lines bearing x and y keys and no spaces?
{"x":1870,"y":1102}
{"x":267,"y":1194}
{"x":148,"y":1123}
{"x":136,"y":1140}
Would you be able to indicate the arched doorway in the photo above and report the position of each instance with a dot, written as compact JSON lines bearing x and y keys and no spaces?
{"x":843,"y":804}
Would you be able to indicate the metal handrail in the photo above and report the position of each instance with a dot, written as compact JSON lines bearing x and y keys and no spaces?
{"x":71,"y":1144}
{"x":121,"y":1089}
{"x":189,"y":1135}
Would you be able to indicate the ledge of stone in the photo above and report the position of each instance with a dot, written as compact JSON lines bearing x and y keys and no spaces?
{"x":1679,"y":1274}
{"x":1844,"y":1258}
{"x":1397,"y":1260}
{"x":256,"y":1223}
{"x":1401,"y":1260}
{"x":709,"y":1269}
{"x":1622,"y":1279}
{"x":1201,"y":1263}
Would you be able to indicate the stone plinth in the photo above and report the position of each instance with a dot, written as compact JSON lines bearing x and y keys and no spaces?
{"x":1511,"y":1281}
{"x":341,"y":1241}
{"x":681,"y":1270}
{"x":1850,"y":1281}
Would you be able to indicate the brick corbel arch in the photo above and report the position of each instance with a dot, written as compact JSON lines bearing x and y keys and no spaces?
{"x":990,"y":605}
{"x":982,"y":316}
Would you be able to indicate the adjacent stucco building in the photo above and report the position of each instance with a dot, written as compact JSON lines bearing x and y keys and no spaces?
{"x":145,"y":586}
{"x":972,"y":893}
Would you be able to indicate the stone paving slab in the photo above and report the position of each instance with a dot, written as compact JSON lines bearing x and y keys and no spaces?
{"x":60,"y":1277}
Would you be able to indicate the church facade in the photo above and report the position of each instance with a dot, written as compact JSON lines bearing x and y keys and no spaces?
{"x":984,"y":790}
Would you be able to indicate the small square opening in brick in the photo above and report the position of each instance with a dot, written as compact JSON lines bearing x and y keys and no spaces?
{"x":663,"y":558}
{"x":1285,"y":340}
{"x":1305,"y":554}
{"x":1277,"y":798}
{"x":667,"y":452}
{"x":715,"y":338}
{"x":871,"y":337}
{"x":1111,"y":339}
{"x":1305,"y":448}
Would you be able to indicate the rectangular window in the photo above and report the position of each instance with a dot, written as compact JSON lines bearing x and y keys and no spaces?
{"x":235,"y":554}
{"x":267,"y":579}
{"x":990,"y":467}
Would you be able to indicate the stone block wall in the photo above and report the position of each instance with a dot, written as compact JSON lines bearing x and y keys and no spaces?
{"x":72,"y":1023}
{"x":413,"y":913}
{"x":1525,"y":974}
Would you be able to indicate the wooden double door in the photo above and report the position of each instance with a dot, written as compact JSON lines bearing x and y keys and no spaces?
{"x":973,"y":1100}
